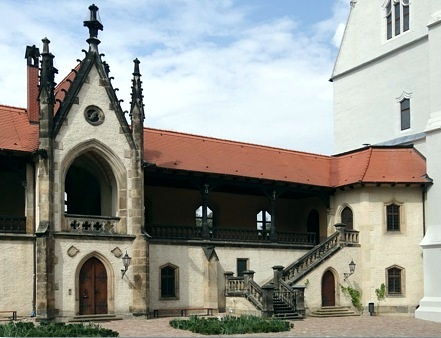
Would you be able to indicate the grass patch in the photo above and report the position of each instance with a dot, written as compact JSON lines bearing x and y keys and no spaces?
{"x":230,"y":325}
{"x":49,"y":329}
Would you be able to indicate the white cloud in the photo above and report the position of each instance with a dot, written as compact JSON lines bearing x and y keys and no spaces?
{"x":207,"y":67}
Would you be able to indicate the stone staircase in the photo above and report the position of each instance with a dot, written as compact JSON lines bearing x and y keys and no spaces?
{"x":94,"y":318}
{"x":333,"y":311}
{"x":288,"y":298}
{"x":283,"y":310}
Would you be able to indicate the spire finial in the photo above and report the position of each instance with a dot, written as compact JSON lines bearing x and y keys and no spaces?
{"x":94,"y":24}
{"x":137,"y":90}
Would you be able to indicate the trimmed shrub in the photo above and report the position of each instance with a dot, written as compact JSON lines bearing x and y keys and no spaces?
{"x":230,"y":325}
{"x":49,"y":329}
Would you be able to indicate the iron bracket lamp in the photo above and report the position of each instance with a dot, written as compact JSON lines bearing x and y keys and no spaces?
{"x":126,"y":262}
{"x":351,"y":270}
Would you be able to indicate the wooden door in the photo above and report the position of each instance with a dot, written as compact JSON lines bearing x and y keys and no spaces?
{"x":93,"y":288}
{"x":313,"y":224}
{"x":328,"y":289}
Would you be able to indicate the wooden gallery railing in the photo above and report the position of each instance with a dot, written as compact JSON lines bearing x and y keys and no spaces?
{"x":162,"y":231}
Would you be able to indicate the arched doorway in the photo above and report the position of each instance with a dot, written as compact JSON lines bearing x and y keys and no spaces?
{"x":93,"y":288}
{"x":328,"y":289}
{"x":313,"y":224}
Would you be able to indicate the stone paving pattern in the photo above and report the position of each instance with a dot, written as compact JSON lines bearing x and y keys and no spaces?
{"x":362,"y":326}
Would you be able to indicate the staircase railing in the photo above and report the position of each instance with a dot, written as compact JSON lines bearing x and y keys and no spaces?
{"x":308,"y":261}
{"x":291,"y":296}
{"x":255,"y":295}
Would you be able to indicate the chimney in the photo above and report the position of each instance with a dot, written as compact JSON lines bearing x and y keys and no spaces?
{"x":32,"y":56}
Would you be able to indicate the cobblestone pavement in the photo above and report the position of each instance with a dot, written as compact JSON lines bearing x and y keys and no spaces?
{"x":363,"y":326}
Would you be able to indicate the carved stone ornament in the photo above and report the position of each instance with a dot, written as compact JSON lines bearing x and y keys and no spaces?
{"x":94,"y":115}
{"x":72,"y":251}
{"x":117,"y":252}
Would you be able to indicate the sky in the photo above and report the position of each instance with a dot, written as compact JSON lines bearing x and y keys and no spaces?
{"x":254,"y":71}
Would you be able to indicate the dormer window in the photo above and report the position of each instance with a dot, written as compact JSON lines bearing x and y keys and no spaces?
{"x":397,"y":17}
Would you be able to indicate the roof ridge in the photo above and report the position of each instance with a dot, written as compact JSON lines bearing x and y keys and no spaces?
{"x":9,"y":106}
{"x":221,"y":140}
{"x":367,"y":164}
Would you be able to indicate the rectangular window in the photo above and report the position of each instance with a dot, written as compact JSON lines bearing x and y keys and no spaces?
{"x":168,"y":282}
{"x":394,"y":281}
{"x":393,"y":217}
{"x":405,"y":114}
{"x":397,"y":8}
{"x":406,"y":17}
{"x":242,"y":265}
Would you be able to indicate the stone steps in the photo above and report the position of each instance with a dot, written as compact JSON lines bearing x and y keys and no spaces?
{"x":94,"y":318}
{"x":333,"y":311}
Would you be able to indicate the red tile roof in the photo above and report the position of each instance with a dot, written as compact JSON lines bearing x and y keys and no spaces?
{"x":173,"y":150}
{"x":379,"y":165}
{"x":181,"y":151}
{"x":17,"y":133}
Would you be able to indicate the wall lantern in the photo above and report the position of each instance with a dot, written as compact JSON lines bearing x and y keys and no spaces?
{"x":351,"y":269}
{"x":126,"y":262}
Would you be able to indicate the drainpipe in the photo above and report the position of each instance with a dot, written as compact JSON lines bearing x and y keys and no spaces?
{"x":34,"y":282}
{"x":423,"y":196}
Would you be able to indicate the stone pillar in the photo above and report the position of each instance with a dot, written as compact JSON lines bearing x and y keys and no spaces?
{"x":300,"y":299}
{"x":278,"y":275}
{"x":430,"y":304}
{"x":227,"y":275}
{"x":340,"y":227}
{"x":248,"y":276}
{"x":267,"y":300}
{"x":211,"y":287}
{"x":135,"y":202}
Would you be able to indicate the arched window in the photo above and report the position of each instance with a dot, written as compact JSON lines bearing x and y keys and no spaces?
{"x":397,"y":17}
{"x":263,"y":220}
{"x":198,"y":217}
{"x":169,"y":284}
{"x":347,"y":218}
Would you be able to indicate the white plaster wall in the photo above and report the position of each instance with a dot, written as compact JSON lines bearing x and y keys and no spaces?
{"x":366,"y":103}
{"x":67,"y":269}
{"x":365,"y":35}
{"x":16,"y":271}
{"x":379,"y":249}
{"x":371,"y":72}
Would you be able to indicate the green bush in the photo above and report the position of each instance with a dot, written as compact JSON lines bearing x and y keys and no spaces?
{"x":49,"y":329}
{"x":230,"y":325}
{"x":355,"y":296}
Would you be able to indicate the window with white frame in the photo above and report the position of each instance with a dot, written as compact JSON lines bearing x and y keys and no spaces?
{"x":199,"y":217}
{"x":397,"y":17}
{"x":263,"y":220}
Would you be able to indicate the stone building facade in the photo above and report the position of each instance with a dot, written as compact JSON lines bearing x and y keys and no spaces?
{"x":391,"y":49}
{"x":204,"y":220}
